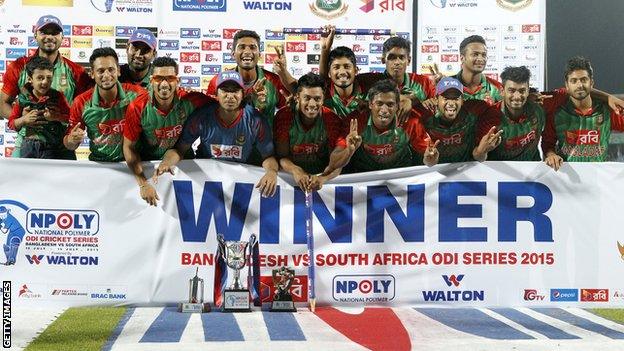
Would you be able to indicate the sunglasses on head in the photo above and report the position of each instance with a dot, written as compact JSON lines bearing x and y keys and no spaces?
{"x":169,"y":79}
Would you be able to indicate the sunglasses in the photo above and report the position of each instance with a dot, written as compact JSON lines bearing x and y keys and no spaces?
{"x":169,"y":79}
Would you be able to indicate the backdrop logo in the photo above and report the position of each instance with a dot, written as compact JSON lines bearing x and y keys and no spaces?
{"x":564,"y":295}
{"x":26,"y":293}
{"x":190,"y":82}
{"x":13,"y":53}
{"x":190,"y":33}
{"x":438,"y":3}
{"x":59,"y":260}
{"x":372,"y":288}
{"x":368,"y":6}
{"x":62,"y":222}
{"x":200,"y":5}
{"x":595,"y":295}
{"x":102,"y":5}
{"x":123,"y":31}
{"x":209,"y":70}
{"x":268,"y":5}
{"x":34,"y":259}
{"x":298,"y":289}
{"x":453,"y":281}
{"x":168,"y":44}
{"x":621,"y":249}
{"x":328,"y":9}
{"x":532,"y":295}
{"x":12,"y":232}
{"x":514,"y":5}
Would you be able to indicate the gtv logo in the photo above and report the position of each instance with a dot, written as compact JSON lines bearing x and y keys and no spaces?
{"x":407,"y":215}
{"x":364,"y":288}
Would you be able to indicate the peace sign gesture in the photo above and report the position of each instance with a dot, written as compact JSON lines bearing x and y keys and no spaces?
{"x":354,"y":139}
{"x":259,"y":91}
{"x":279,"y":64}
{"x":433,"y":69}
{"x":431,"y":152}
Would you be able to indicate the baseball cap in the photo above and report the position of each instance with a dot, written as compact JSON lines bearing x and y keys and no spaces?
{"x":233,"y":76}
{"x":48,"y":20}
{"x":145,"y":36}
{"x":447,"y":83}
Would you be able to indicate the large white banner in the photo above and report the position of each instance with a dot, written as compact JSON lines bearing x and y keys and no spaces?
{"x":514,"y":30}
{"x":491,"y":234}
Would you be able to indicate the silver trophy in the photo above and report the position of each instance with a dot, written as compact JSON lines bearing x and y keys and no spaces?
{"x":195,"y":302}
{"x":236,"y":297}
{"x":282,"y":280}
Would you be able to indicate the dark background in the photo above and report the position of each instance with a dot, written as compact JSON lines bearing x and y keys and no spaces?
{"x":590,"y":28}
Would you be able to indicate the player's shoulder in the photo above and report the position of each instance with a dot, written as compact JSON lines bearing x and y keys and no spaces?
{"x":494,"y":82}
{"x":83,"y":97}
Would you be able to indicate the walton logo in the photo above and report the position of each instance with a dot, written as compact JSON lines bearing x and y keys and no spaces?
{"x":452,"y":279}
{"x":34,"y":259}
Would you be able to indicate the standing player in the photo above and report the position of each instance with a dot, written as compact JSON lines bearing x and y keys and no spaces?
{"x":69,"y":78}
{"x":382,"y":143}
{"x":228,"y":130}
{"x":265,"y":86}
{"x":462,"y":131}
{"x":100,"y":110}
{"x":414,"y":88}
{"x":41,"y":132}
{"x":154,"y":121}
{"x":477,"y":86}
{"x":579,"y":129}
{"x":141,"y":51}
{"x":306,"y":135}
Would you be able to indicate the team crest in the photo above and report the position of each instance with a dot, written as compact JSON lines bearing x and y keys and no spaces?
{"x":514,"y":5}
{"x":240,"y":140}
{"x":328,"y":9}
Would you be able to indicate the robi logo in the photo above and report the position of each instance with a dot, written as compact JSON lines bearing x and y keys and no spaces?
{"x":364,"y":288}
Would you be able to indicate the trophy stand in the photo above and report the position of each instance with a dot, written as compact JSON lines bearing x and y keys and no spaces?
{"x":236,"y":297}
{"x":195,"y":302}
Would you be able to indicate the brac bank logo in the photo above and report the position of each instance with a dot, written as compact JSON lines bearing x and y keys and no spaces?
{"x":62,"y":222}
{"x":374,"y":288}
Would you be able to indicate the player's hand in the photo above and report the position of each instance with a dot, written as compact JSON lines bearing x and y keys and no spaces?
{"x":490,"y":140}
{"x":76,"y":135}
{"x":405,"y":109}
{"x":354,"y":139}
{"x":553,"y":161}
{"x":280,"y":64}
{"x":538,"y":97}
{"x":268,"y":184}
{"x":327,"y":37}
{"x":52,"y":113}
{"x":316,"y":182}
{"x":31,"y":117}
{"x":431,"y":153}
{"x":289,"y":98}
{"x":302,"y":179}
{"x":149,"y":194}
{"x":431,"y":104}
{"x":616,"y":104}
{"x":260,"y":91}
{"x":162,"y":169}
{"x":435,"y":72}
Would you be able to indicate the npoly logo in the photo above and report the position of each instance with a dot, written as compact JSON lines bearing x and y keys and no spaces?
{"x":62,"y":222}
{"x":372,"y":288}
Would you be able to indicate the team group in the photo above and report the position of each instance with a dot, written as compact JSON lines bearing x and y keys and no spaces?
{"x":315,"y":127}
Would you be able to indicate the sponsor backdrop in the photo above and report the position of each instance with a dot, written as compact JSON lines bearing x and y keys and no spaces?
{"x":492,"y":234}
{"x":198,"y":33}
{"x":514,"y":31}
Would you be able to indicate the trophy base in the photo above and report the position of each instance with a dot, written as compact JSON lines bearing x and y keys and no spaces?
{"x":185,"y":307}
{"x":283,"y":306}
{"x":236,"y":300}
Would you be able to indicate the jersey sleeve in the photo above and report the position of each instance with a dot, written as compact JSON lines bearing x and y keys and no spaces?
{"x":11,"y":78}
{"x":212,"y":87}
{"x":617,"y":121}
{"x":336,"y":136}
{"x":82,"y":79}
{"x":134,"y":88}
{"x":75,"y":113}
{"x":16,"y":112}
{"x":486,"y":119}
{"x":549,"y":135}
{"x":427,"y":84}
{"x":282,"y":125}
{"x":196,"y":99}
{"x":264,"y":137}
{"x":558,"y":98}
{"x":132,"y":125}
{"x":273,"y":78}
{"x":416,"y":133}
{"x":64,"y":108}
